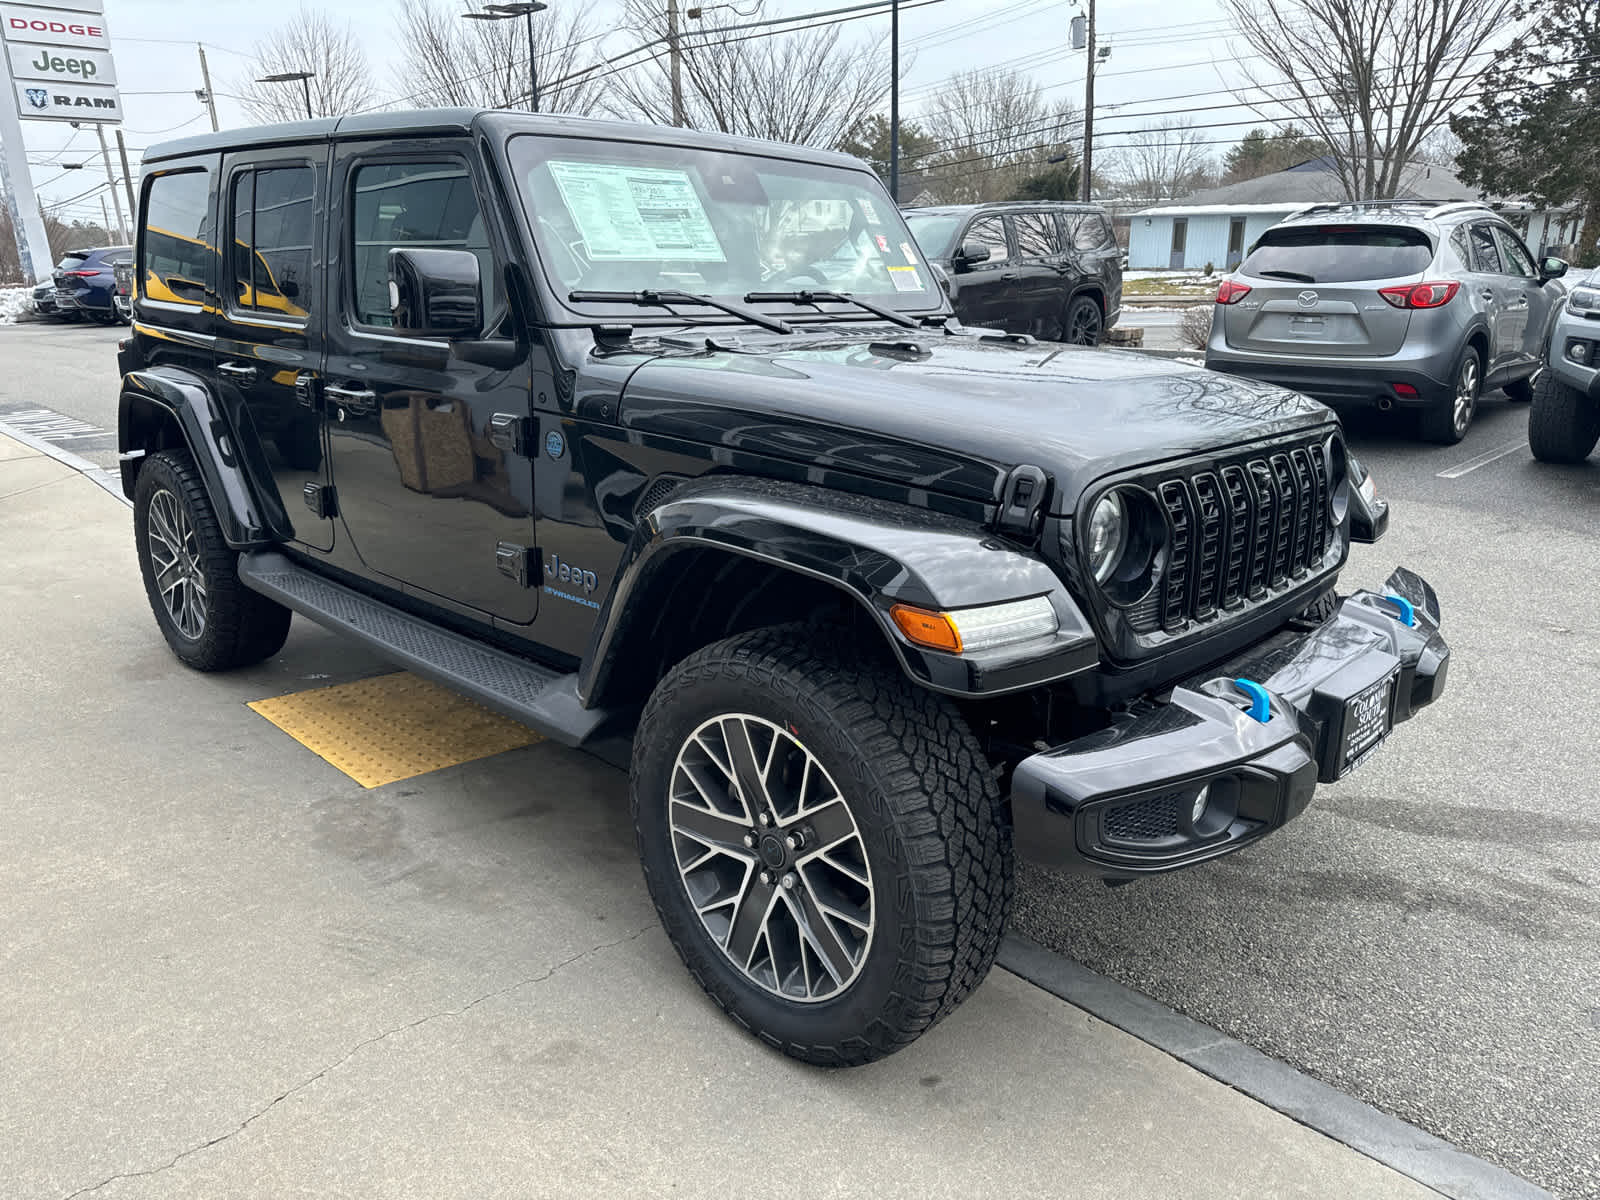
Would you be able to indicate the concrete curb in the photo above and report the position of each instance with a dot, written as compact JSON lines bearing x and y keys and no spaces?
{"x":110,"y":480}
{"x":1430,"y":1161}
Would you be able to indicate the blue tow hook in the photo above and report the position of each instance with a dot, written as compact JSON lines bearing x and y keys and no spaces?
{"x":1260,"y":702}
{"x":1408,"y":613}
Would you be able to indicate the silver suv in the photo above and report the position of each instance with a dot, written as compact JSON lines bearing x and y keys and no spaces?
{"x":1406,"y":304}
{"x":1564,"y":423}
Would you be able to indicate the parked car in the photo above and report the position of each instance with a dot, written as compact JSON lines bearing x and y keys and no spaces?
{"x":1393,"y":304}
{"x":122,"y":290}
{"x":1564,"y":422}
{"x":866,"y":601}
{"x":85,"y":281}
{"x":44,"y":299}
{"x":1050,"y":270}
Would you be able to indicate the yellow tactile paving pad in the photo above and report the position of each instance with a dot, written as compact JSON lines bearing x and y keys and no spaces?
{"x":392,"y":727}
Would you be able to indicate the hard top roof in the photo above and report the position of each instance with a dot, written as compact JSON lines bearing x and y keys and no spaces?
{"x":1003,"y":206}
{"x":496,"y":122}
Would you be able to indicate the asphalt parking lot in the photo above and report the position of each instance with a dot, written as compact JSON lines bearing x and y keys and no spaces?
{"x":1427,"y":936}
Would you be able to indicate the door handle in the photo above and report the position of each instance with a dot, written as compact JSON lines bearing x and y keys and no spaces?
{"x":359,"y":401}
{"x":1008,"y":275}
{"x":238,"y":372}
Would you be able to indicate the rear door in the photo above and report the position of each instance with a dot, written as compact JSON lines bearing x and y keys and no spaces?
{"x":269,"y":346}
{"x":983,"y":292}
{"x":1314,"y":290}
{"x":1495,"y":294}
{"x":1044,"y":274}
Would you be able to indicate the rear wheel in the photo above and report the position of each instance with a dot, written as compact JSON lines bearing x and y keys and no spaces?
{"x":211,"y":620}
{"x":1563,"y":424}
{"x":1083,"y":323}
{"x":1447,"y":421}
{"x":826,"y":845}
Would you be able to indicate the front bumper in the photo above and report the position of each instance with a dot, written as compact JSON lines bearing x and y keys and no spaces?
{"x":1124,"y":802}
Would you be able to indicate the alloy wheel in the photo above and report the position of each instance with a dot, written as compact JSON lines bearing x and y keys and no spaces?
{"x":771,"y":857}
{"x":175,"y":555}
{"x":1466,"y":395}
{"x":1085,"y":327}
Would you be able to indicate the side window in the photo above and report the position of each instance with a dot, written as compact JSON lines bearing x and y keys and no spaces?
{"x":285,"y":227}
{"x":1485,"y":253}
{"x":1512,"y":252}
{"x":175,"y":245}
{"x":1458,"y":242}
{"x":1089,"y":231}
{"x":1036,"y":235}
{"x":424,"y":204}
{"x":990,"y":232}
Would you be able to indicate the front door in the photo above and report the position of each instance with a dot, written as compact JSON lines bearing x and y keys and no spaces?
{"x":1180,"y":239}
{"x":983,"y":291}
{"x":1529,"y":299}
{"x":428,"y":501}
{"x":269,"y":345}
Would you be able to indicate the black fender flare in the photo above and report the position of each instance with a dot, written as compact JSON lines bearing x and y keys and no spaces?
{"x":223,"y":441}
{"x":878,"y":553}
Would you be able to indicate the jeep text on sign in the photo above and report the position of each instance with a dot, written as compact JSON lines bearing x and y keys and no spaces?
{"x":60,"y":65}
{"x":53,"y":27}
{"x":40,"y":101}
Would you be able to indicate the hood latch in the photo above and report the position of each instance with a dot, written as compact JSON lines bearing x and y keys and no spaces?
{"x":1022,"y":501}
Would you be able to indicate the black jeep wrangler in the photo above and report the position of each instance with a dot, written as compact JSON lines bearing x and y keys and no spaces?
{"x":668,"y":445}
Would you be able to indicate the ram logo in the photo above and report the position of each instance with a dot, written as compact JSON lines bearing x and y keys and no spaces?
{"x":38,"y":97}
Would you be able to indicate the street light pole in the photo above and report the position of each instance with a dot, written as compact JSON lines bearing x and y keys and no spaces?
{"x":289,"y":77}
{"x":1088,"y":113}
{"x":894,"y":101}
{"x":504,"y":12}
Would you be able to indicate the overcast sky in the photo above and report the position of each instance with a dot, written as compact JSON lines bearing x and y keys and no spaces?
{"x":1160,"y":49}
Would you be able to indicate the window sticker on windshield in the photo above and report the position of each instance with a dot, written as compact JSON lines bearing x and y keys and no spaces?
{"x":637,"y":212}
{"x":867,"y":211}
{"x":883,"y":242}
{"x":911,"y":255}
{"x":905,"y":279}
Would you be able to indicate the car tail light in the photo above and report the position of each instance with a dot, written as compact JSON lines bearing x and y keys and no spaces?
{"x":1420,"y":295}
{"x":81,"y":274}
{"x":1405,"y":391}
{"x":1231,"y":291}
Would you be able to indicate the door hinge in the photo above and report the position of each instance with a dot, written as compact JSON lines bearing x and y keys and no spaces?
{"x":512,"y":560}
{"x":305,"y":389}
{"x":511,"y":433}
{"x":321,"y":499}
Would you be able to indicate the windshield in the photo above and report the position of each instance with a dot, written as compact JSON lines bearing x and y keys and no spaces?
{"x":623,"y":216}
{"x":934,"y":231}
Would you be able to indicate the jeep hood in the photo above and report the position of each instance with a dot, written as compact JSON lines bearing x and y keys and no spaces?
{"x":955,"y":414}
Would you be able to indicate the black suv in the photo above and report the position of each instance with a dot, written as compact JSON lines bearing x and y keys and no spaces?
{"x":1050,"y":270}
{"x":641,"y":436}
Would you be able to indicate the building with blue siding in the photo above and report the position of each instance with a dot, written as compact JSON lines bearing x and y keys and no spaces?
{"x":1219,"y":225}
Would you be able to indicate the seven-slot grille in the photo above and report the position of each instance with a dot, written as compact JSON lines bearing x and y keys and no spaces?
{"x":1238,"y":531}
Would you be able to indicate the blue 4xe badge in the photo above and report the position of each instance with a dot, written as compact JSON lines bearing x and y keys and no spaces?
{"x":554,"y":443}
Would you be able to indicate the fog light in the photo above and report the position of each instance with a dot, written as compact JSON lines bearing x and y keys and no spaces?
{"x":1200,"y":802}
{"x":1578,"y":351}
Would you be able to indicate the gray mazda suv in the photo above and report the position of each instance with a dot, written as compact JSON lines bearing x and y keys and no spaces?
{"x":1408,"y":304}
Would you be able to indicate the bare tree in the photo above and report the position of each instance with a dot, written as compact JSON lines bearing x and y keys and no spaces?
{"x":310,"y":41}
{"x":993,"y":129}
{"x":1161,"y":162}
{"x":484,"y":64}
{"x":1371,"y":78}
{"x":800,"y":86}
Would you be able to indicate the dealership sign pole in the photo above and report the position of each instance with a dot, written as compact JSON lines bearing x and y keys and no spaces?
{"x":58,"y":68}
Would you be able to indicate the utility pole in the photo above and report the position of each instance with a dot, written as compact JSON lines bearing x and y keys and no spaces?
{"x":1088,"y":113}
{"x":205,"y":77}
{"x":127,"y":177}
{"x":677,"y":62}
{"x":116,"y":197}
{"x":894,"y":101}
{"x":105,"y":218}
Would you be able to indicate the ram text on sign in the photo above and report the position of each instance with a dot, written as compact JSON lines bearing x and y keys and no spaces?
{"x":59,"y":64}
{"x":40,"y":101}
{"x":52,"y":27}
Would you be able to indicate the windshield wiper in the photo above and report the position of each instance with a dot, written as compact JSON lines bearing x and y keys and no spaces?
{"x":877,"y":310}
{"x":1297,"y":276}
{"x":649,"y":297}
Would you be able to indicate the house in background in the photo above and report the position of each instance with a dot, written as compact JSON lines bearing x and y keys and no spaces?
{"x":1219,"y":225}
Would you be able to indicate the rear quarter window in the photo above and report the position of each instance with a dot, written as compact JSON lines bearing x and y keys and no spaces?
{"x":1339,"y":254}
{"x":175,"y":247}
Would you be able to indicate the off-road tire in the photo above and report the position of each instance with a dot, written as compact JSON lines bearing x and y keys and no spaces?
{"x":921,"y":792}
{"x":240,"y":627}
{"x":1563,"y":424}
{"x":1438,"y":422}
{"x":1519,"y":391}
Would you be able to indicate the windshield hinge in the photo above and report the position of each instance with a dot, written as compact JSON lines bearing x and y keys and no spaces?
{"x":613,"y":337}
{"x":1022,"y":501}
{"x":510,"y":433}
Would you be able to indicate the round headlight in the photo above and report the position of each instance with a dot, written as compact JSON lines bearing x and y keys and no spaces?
{"x":1107,"y":537}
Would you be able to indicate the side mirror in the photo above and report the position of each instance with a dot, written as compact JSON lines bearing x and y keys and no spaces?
{"x":1551,"y":268}
{"x":435,"y":293}
{"x":969,"y":253}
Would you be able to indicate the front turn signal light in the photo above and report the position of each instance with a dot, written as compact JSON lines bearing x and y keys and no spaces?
{"x":925,"y":628}
{"x":972,"y":629}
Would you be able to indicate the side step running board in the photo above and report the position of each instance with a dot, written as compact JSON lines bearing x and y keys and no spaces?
{"x":522,"y":690}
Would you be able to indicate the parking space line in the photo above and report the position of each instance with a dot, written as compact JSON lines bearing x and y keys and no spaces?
{"x":1483,"y":460}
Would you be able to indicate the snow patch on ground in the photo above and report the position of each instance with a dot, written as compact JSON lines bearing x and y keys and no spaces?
{"x":14,"y":302}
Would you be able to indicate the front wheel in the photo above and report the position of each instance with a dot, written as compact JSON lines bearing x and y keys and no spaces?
{"x":1446,"y":422}
{"x":1563,"y":424}
{"x":211,"y":620}
{"x":825,"y":845}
